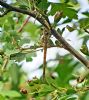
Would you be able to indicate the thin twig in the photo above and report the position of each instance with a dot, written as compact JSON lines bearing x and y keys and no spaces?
{"x":45,"y":52}
{"x":70,"y":48}
{"x":21,"y":28}
{"x":24,"y":23}
{"x":5,"y":63}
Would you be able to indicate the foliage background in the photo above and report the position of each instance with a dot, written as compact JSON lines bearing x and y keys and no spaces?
{"x":63,"y":76}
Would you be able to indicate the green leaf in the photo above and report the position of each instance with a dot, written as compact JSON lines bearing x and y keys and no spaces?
{"x":84,"y":49}
{"x":17,"y":56}
{"x":70,"y":29}
{"x":65,"y":8}
{"x":57,"y":7}
{"x":33,"y":82}
{"x":8,"y":23}
{"x":23,"y":41}
{"x":24,"y":3}
{"x":23,"y":7}
{"x":70,"y":91}
{"x":11,"y":52}
{"x":45,"y":89}
{"x":32,"y":29}
{"x":43,"y":5}
{"x":1,"y":60}
{"x":58,"y":44}
{"x":59,"y":31}
{"x":66,"y":1}
{"x":14,"y":73}
{"x":72,"y":15}
{"x":50,"y":42}
{"x":11,"y":22}
{"x":8,"y":46}
{"x":68,"y":97}
{"x":10,"y":93}
{"x":65,"y":69}
{"x":84,"y":23}
{"x":85,"y":96}
{"x":2,"y":97}
{"x":74,"y":1}
{"x":67,"y":20}
{"x":72,"y":98}
{"x":28,"y":58}
{"x":86,"y":13}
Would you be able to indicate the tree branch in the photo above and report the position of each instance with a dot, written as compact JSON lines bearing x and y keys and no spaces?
{"x":68,"y":47}
{"x":5,"y":63}
{"x":32,"y":13}
{"x":24,"y":23}
{"x":5,"y":13}
{"x":42,"y":20}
